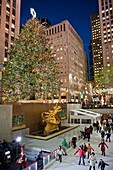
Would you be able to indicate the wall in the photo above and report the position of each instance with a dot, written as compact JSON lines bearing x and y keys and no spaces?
{"x":72,"y":107}
{"x":5,"y":122}
{"x":32,"y":113}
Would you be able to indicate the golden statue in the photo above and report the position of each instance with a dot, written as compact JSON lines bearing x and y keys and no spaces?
{"x":52,"y":120}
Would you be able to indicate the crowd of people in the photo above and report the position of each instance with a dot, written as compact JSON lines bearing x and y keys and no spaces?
{"x":87,"y":151}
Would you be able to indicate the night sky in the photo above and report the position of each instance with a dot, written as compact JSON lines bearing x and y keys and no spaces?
{"x":77,"y":12}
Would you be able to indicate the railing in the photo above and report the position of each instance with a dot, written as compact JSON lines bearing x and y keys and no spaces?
{"x":32,"y":166}
{"x":49,"y":157}
{"x":97,"y":106}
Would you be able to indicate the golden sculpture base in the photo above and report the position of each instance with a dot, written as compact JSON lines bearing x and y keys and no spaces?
{"x":51,"y":135}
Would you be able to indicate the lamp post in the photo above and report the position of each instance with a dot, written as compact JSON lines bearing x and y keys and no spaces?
{"x":18,"y":139}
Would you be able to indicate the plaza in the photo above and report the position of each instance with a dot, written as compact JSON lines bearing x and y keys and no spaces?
{"x":70,"y":162}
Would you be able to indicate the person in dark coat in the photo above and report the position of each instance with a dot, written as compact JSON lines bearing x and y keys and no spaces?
{"x":88,"y":132}
{"x":102,"y":164}
{"x":108,"y":135}
{"x":102,"y":134}
{"x":74,"y":140}
{"x":102,"y":144}
{"x":91,"y":129}
{"x":84,"y":147}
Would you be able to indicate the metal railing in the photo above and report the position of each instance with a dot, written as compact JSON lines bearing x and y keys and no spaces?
{"x":51,"y":157}
{"x":32,"y":166}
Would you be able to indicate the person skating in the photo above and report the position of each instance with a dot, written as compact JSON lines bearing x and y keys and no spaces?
{"x":60,"y":153}
{"x":89,"y":150}
{"x":103,"y":145}
{"x":108,"y":136}
{"x":102,"y":164}
{"x":74,"y":139}
{"x":92,"y":161}
{"x":81,"y":155}
{"x":84,"y":147}
{"x":64,"y":146}
{"x":102,"y":134}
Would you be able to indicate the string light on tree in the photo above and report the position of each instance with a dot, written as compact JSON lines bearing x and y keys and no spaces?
{"x":32,"y":68}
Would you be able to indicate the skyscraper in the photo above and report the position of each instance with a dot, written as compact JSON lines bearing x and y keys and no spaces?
{"x":96,"y":44}
{"x":9,"y":25}
{"x":90,"y":64}
{"x":106,"y":21}
{"x":67,"y":48}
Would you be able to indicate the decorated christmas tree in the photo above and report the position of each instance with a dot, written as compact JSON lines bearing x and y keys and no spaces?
{"x":31,"y":69}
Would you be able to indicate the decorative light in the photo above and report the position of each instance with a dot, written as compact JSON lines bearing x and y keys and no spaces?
{"x":18,"y":139}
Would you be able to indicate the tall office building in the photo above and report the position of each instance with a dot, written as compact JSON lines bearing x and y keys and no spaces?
{"x":90,"y":64}
{"x":45,"y":22}
{"x":106,"y":21}
{"x":9,"y":25}
{"x":67,"y":48}
{"x":96,"y":44}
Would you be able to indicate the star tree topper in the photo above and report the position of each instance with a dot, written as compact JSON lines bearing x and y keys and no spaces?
{"x":33,"y":13}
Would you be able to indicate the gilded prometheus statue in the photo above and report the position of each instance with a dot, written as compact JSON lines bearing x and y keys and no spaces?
{"x":52,"y":120}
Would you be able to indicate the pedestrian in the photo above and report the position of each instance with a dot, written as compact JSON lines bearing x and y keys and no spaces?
{"x":102,"y":164}
{"x":89,"y":150}
{"x":91,"y":129}
{"x":82,"y":155}
{"x":22,"y":161}
{"x":74,"y":140}
{"x":103,"y":145}
{"x":64,"y":146}
{"x":108,"y":135}
{"x":102,"y":134}
{"x":88,"y":132}
{"x":84,"y":147}
{"x":39,"y":160}
{"x":60,"y":153}
{"x":92,"y":161}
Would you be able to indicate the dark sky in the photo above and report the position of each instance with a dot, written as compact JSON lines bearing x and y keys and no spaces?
{"x":77,"y":12}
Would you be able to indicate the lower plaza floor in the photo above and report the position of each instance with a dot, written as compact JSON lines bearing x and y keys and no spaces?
{"x":70,"y":162}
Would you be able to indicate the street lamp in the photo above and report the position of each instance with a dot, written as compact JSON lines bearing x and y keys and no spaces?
{"x":18,"y":139}
{"x":18,"y":150}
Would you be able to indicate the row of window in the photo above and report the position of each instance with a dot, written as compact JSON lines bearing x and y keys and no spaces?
{"x":106,"y":2}
{"x":13,"y":10}
{"x":12,"y":29}
{"x":14,"y":3}
{"x":56,"y":29}
{"x":107,"y":13}
{"x":8,"y":18}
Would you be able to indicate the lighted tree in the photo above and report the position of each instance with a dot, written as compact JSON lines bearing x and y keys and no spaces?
{"x":104,"y":78}
{"x":31,"y":68}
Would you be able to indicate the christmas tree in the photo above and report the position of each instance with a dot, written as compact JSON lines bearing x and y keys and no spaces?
{"x":31,"y":69}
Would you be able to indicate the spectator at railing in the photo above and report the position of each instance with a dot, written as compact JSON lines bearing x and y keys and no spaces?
{"x":64,"y":146}
{"x":60,"y":153}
